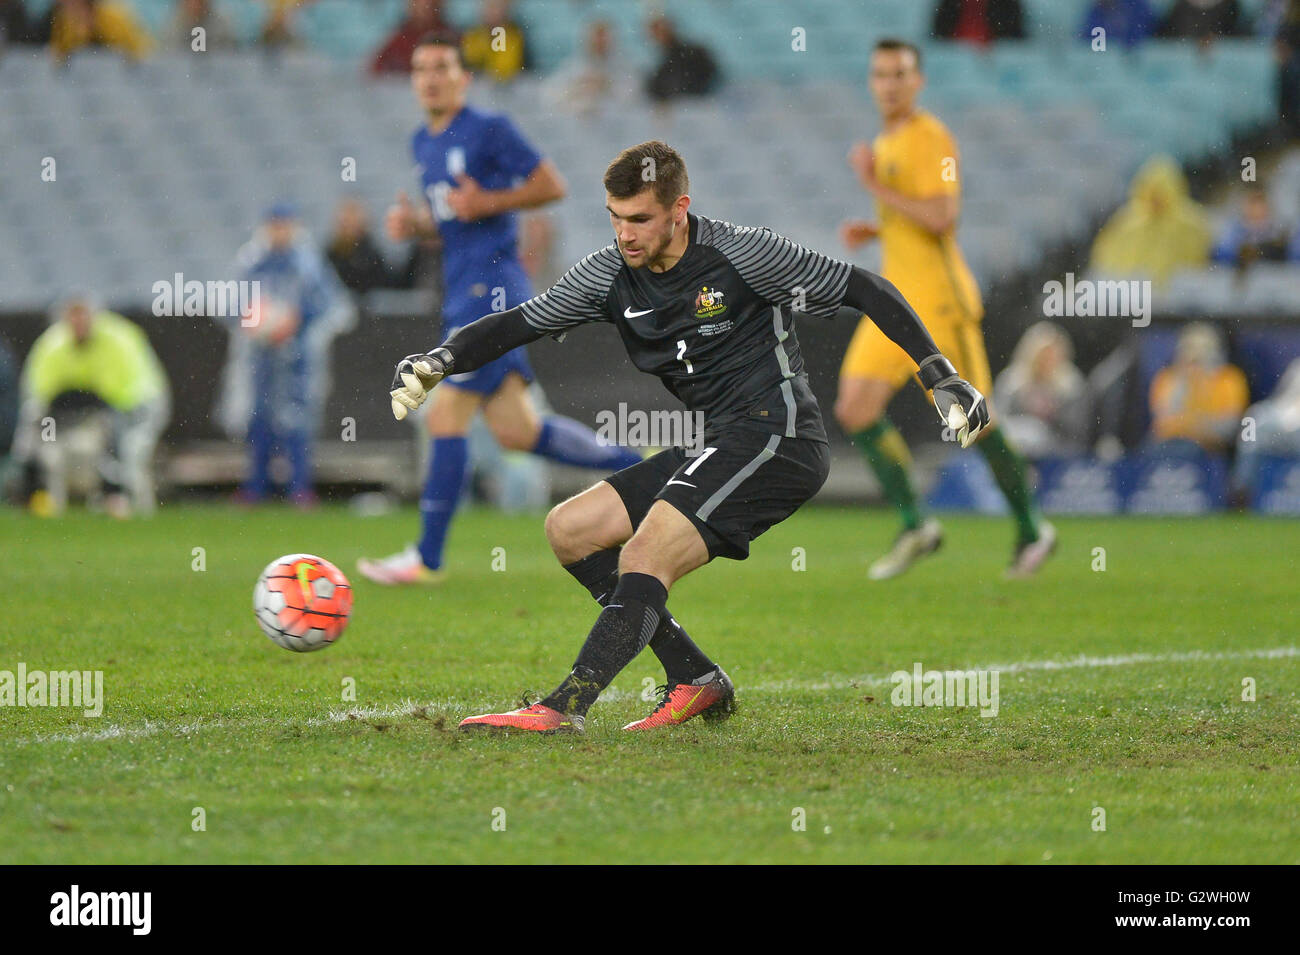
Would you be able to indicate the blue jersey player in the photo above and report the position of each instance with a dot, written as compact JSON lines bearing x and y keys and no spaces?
{"x":476,"y":170}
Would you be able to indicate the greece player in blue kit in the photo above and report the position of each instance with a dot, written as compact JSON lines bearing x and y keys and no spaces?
{"x":476,"y":170}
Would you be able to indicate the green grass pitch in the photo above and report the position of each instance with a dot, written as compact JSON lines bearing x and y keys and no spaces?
{"x":1120,"y":690}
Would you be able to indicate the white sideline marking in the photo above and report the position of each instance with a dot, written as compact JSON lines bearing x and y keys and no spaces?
{"x":410,"y":707}
{"x":1026,"y":666}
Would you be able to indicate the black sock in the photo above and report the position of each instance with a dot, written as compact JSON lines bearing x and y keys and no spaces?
{"x":681,"y":659}
{"x":622,"y":630}
{"x":597,"y":572}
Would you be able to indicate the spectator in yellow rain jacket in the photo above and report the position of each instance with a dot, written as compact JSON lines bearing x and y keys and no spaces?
{"x":1159,"y":231}
{"x":496,"y":46}
{"x":75,"y":24}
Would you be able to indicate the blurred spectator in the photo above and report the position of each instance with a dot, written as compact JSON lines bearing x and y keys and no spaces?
{"x":72,"y":25}
{"x":97,"y":353}
{"x":1276,"y":431}
{"x":14,"y":25}
{"x":1127,"y":22}
{"x":978,"y":21}
{"x":423,"y":266}
{"x":353,"y":253}
{"x":684,"y":69}
{"x":496,"y":45}
{"x":590,"y":79}
{"x":277,"y":370}
{"x":422,"y":16}
{"x":191,"y":15}
{"x":1198,"y":397}
{"x":1202,"y":19}
{"x":1281,"y":22}
{"x":279,"y":29}
{"x":1041,"y":398}
{"x":1159,"y":231}
{"x":1253,"y":234}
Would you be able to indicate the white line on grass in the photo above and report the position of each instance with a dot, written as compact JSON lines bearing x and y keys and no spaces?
{"x":434,"y":708}
{"x":153,"y":728}
{"x":1026,"y":666}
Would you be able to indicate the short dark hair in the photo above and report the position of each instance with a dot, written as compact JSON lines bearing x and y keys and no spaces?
{"x":652,"y":164}
{"x":890,"y":44}
{"x":444,"y":36}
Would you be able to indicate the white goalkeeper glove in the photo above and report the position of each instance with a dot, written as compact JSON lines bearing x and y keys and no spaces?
{"x":414,"y":379}
{"x":962,"y":408}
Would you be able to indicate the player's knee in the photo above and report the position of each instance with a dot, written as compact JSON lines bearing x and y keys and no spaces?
{"x":565,"y":530}
{"x":451,"y":412}
{"x":638,"y":554}
{"x":516,"y":437}
{"x":443,"y":424}
{"x":666,"y":545}
{"x":649,"y":553}
{"x":855,"y":414}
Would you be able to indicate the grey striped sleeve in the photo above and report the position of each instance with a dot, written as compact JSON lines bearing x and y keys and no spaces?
{"x":779,"y":270}
{"x":579,"y":295}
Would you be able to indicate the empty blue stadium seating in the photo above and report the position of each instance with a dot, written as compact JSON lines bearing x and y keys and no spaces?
{"x":170,"y":162}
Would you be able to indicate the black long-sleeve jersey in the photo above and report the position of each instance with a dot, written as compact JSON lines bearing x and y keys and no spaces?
{"x":717,"y":328}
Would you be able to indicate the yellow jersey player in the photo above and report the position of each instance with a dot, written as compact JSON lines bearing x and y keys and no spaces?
{"x":912,"y":171}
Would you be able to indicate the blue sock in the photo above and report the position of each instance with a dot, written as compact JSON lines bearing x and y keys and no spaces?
{"x":261,"y":442}
{"x":448,"y":465}
{"x":297,"y":445}
{"x":567,"y":441}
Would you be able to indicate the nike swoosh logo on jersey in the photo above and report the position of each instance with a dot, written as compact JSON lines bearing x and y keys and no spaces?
{"x":628,"y":313}
{"x":687,"y":483}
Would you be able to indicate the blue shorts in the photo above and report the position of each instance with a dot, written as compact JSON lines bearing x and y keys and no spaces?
{"x":487,"y":380}
{"x":464,"y":309}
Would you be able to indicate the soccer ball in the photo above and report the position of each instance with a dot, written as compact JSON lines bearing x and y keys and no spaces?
{"x":302,"y":602}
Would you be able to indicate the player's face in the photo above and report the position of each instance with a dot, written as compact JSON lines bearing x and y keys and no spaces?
{"x":895,"y":81}
{"x":643,"y":227}
{"x":438,"y":79}
{"x":279,"y":233}
{"x":1256,"y":211}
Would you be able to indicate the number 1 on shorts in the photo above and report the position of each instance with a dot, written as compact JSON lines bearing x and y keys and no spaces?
{"x":700,"y":460}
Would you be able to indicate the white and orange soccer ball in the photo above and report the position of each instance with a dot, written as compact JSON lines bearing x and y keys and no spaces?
{"x":302,"y":602}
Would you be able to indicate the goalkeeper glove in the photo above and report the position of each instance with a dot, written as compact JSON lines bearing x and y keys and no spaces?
{"x":414,"y":379}
{"x":962,"y":408}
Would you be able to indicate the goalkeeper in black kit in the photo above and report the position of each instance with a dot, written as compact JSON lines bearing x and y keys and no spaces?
{"x":707,"y":307}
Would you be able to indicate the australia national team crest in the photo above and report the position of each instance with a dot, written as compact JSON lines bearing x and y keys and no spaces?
{"x":709,"y":303}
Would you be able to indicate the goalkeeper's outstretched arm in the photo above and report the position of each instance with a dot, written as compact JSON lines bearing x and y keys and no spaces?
{"x":467,"y":348}
{"x":474,"y":345}
{"x":961,"y":406}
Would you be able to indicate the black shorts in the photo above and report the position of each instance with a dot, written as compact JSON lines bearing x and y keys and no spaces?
{"x":740,"y":484}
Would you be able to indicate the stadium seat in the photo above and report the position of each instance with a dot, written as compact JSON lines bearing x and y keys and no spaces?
{"x":1206,"y":291}
{"x":1271,"y":288}
{"x":225,"y":134}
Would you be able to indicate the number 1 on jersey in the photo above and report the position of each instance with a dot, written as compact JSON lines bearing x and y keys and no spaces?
{"x":681,"y":356}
